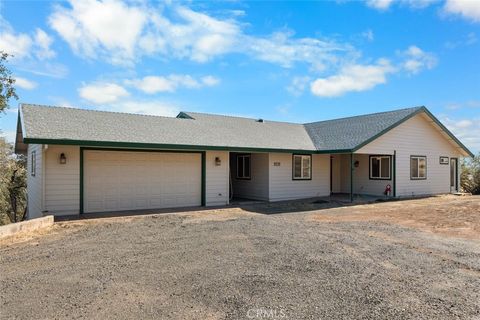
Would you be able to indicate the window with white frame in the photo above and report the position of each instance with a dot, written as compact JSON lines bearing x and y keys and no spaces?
{"x":302,"y":167}
{"x":418,"y":167}
{"x":380,"y":167}
{"x":243,"y":166}
{"x":33,"y":163}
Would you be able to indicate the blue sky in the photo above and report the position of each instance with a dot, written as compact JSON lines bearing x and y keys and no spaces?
{"x":288,"y":61}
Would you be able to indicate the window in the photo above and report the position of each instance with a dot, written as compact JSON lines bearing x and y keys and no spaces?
{"x":243,"y":166}
{"x":33,"y":164}
{"x":418,"y":167}
{"x":302,"y":167}
{"x":380,"y":167}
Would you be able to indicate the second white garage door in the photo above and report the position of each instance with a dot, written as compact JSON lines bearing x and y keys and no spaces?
{"x":130,"y":180}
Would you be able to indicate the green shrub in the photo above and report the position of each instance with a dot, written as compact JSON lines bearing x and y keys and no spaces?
{"x":470,"y":175}
{"x":13,"y":183}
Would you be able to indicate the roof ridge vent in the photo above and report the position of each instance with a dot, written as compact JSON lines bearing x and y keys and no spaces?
{"x":260,"y":120}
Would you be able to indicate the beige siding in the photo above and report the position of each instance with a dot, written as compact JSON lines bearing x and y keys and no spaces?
{"x":336,"y":173}
{"x":35,"y":183}
{"x":217,"y":183}
{"x":416,"y":136}
{"x":62,"y":181}
{"x":282,"y":187}
{"x":362,"y":184}
{"x":257,"y":186}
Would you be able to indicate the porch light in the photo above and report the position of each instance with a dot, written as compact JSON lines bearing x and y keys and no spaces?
{"x":356,"y":164}
{"x":218,"y":161}
{"x":63,"y":159}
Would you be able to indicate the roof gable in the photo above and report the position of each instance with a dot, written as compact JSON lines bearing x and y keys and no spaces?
{"x":353,"y":132}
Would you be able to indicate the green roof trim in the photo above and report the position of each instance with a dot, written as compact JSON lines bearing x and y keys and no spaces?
{"x":381,"y":133}
{"x":420,"y":110}
{"x":201,"y":131}
{"x":113,"y":144}
{"x":448,"y":132}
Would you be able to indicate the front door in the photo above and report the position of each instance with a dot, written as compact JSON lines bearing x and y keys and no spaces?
{"x":453,"y":175}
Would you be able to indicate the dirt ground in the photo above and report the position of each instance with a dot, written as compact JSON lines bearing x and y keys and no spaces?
{"x":449,"y":215}
{"x":414,"y":259}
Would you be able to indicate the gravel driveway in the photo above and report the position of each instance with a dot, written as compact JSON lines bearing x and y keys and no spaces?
{"x":238,"y":264}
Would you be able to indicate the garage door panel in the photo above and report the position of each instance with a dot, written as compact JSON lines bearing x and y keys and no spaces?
{"x":118,"y":180}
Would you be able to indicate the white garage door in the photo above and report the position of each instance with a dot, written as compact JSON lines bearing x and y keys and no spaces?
{"x":130,"y":180}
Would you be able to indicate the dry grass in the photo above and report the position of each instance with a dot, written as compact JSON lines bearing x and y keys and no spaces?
{"x":447,"y":215}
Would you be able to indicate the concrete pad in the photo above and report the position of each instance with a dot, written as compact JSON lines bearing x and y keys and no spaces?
{"x":25,"y":226}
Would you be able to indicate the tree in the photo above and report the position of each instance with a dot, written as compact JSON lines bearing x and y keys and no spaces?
{"x":470,"y":175}
{"x":13,"y":177}
{"x":13,"y":187}
{"x":7,"y":89}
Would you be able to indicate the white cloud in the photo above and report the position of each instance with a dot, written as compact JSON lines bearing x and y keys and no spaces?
{"x":127,"y":31}
{"x":53,"y":70}
{"x":23,"y":45}
{"x":210,"y":81}
{"x":379,"y":4}
{"x":418,"y":4}
{"x":155,"y":84}
{"x":464,"y":124}
{"x":92,"y":28}
{"x":469,"y":9}
{"x":60,"y":101}
{"x":473,"y":104}
{"x":466,"y":130}
{"x":31,"y":52}
{"x":353,"y":78}
{"x":467,"y":40}
{"x":418,"y":60}
{"x":17,"y":45}
{"x":102,"y":93}
{"x":453,"y":106}
{"x":360,"y":77}
{"x":205,"y":36}
{"x":386,"y":4}
{"x":471,"y":38}
{"x":283,"y":49}
{"x":43,"y":42}
{"x":298,"y":85}
{"x":25,"y":83}
{"x":368,"y":34}
{"x":150,"y":107}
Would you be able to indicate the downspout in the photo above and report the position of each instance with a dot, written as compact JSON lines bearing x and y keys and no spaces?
{"x":457,"y":178}
{"x":81,"y":187}
{"x":44,"y":149}
{"x":394,"y":173}
{"x":204,"y":179}
{"x":351,"y":177}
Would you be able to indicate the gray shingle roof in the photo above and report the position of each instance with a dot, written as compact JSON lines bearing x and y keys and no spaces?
{"x":348,"y":133}
{"x":45,"y":124}
{"x":58,"y":123}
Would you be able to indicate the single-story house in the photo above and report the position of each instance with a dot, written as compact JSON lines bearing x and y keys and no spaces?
{"x":82,"y":161}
